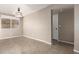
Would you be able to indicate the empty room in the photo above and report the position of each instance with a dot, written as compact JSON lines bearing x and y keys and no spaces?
{"x":39,"y":28}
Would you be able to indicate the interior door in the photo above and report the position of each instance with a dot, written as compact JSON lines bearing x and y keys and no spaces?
{"x":55,"y":26}
{"x":66,"y":25}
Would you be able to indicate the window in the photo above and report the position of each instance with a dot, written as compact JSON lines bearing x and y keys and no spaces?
{"x":8,"y":22}
{"x":5,"y":23}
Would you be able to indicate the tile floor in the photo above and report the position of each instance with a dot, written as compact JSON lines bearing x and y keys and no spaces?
{"x":22,"y":45}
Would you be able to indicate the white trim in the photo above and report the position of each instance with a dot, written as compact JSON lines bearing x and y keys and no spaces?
{"x":10,"y":37}
{"x":37,"y":39}
{"x":76,"y":51}
{"x":66,"y":42}
{"x":27,"y":37}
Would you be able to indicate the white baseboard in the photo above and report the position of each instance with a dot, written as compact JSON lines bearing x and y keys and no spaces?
{"x":37,"y":39}
{"x":76,"y":51}
{"x":66,"y":42}
{"x":10,"y":37}
{"x":26,"y":37}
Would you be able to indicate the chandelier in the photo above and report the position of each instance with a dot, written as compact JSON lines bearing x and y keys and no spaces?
{"x":18,"y":13}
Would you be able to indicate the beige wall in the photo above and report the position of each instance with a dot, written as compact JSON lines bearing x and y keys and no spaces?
{"x":76,"y":29}
{"x":10,"y":32}
{"x":66,"y":20}
{"x":38,"y":25}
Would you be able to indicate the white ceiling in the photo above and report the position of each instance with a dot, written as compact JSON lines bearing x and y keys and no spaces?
{"x":25,"y":8}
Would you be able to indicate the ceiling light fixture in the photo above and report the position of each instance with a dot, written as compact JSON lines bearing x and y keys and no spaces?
{"x":18,"y":13}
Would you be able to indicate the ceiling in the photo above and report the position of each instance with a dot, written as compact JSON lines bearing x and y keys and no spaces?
{"x":25,"y":8}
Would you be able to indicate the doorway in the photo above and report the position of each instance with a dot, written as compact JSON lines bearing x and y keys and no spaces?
{"x":63,"y":26}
